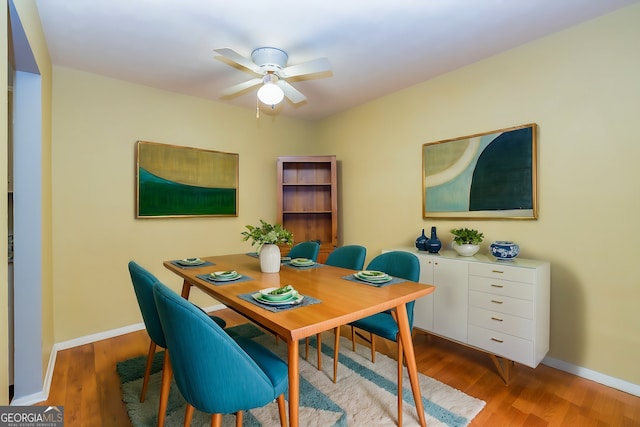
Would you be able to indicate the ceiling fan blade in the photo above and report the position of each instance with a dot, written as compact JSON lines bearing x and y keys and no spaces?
{"x":241,"y":86}
{"x":293,"y":94}
{"x":234,"y":56}
{"x":319,"y":65}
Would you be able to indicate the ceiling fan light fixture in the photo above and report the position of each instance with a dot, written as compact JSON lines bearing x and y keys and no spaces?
{"x":270,"y":93}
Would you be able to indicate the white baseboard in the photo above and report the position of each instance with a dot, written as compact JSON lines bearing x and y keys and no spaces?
{"x":114,"y":332}
{"x":29,"y":400}
{"x":598,"y":377}
{"x":46,"y":386}
{"x":88,"y":339}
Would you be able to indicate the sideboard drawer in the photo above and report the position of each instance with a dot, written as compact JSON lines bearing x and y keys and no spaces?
{"x":513,"y":348}
{"x":500,"y":303}
{"x":502,"y":287}
{"x":505,"y":272}
{"x":505,"y":323}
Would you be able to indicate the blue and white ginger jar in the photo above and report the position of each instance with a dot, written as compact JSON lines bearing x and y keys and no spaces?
{"x":503,"y":249}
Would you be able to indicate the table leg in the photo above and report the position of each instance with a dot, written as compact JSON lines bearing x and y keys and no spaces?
{"x":294,"y":383}
{"x":186,"y":289}
{"x":410,"y":358}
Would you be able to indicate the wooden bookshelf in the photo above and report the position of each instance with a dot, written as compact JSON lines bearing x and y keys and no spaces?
{"x":308,"y":199}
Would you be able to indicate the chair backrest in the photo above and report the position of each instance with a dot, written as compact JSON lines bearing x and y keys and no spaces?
{"x":350,"y":256}
{"x":143,"y":282}
{"x":309,"y":249}
{"x":213,"y":373}
{"x":399,"y":264}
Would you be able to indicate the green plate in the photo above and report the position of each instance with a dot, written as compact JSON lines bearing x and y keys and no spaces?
{"x":191,"y":261}
{"x":227,"y":278}
{"x":268,"y":296}
{"x":302,"y":262}
{"x":297,"y":299}
{"x":373,"y":278}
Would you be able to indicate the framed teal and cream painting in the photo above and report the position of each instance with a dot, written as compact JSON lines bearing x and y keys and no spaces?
{"x":175,"y":181}
{"x":491,"y":175}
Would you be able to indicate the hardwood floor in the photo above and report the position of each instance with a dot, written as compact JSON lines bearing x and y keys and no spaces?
{"x":85,"y":382}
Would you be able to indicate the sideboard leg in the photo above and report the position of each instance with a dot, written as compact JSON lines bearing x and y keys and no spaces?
{"x":503,"y":366}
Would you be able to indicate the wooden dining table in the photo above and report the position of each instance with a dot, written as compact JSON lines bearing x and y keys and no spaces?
{"x":340,"y":301}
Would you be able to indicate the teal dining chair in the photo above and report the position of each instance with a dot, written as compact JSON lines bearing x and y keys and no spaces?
{"x":215,"y":373}
{"x":404,"y":265}
{"x":351,"y":257}
{"x":309,"y":249}
{"x":143,"y":282}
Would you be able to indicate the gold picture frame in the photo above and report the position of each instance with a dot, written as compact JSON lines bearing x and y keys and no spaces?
{"x":175,"y":181}
{"x":490,"y":175}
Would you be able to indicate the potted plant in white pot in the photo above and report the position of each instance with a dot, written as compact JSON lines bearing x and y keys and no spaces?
{"x":267,"y":237}
{"x":466,"y":241}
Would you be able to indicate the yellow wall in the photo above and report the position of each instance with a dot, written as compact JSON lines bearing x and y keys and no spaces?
{"x":582,"y":88}
{"x":97,"y":122}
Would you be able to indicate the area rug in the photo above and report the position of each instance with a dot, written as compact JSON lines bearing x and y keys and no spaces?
{"x":365,"y":393}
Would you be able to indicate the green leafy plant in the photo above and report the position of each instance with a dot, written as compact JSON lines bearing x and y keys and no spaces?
{"x":267,"y":234}
{"x":467,"y":236}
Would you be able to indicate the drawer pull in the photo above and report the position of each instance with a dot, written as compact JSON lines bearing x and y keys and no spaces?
{"x":493,"y":285}
{"x":497,"y":271}
{"x":497,"y":319}
{"x":496,"y":301}
{"x":496,"y":340}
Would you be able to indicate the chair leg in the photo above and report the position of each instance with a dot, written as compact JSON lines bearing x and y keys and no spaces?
{"x":282,"y":410}
{"x":400,"y":366}
{"x":167,"y":374}
{"x":319,"y":345}
{"x":216,"y":420}
{"x":353,"y":338}
{"x":336,"y":350}
{"x":188,"y":415}
{"x":306,"y":348}
{"x":373,"y":348}
{"x":239,"y":419}
{"x":147,"y":370}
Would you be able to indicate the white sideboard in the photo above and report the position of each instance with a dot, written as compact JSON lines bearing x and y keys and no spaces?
{"x":500,"y":307}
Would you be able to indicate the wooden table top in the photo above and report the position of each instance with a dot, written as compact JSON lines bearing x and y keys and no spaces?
{"x":342,"y":301}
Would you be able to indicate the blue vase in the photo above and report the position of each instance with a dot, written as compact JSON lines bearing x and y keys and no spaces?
{"x":421,"y":242}
{"x":433,"y":244}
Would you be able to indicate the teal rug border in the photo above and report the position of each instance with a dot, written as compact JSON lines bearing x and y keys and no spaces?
{"x":433,"y":409}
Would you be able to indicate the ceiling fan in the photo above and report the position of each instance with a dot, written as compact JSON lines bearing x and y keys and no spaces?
{"x":270,"y":64}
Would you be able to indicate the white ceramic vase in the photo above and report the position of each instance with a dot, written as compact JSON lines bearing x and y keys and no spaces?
{"x":466,"y":249}
{"x":269,"y":258}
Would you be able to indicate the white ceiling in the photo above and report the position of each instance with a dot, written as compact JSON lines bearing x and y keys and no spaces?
{"x":375,"y":47}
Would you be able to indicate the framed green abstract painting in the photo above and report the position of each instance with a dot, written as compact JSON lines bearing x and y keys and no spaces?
{"x":174,"y":181}
{"x":482,"y":176}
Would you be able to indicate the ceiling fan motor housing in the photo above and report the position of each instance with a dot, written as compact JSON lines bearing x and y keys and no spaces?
{"x":270,"y":58}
